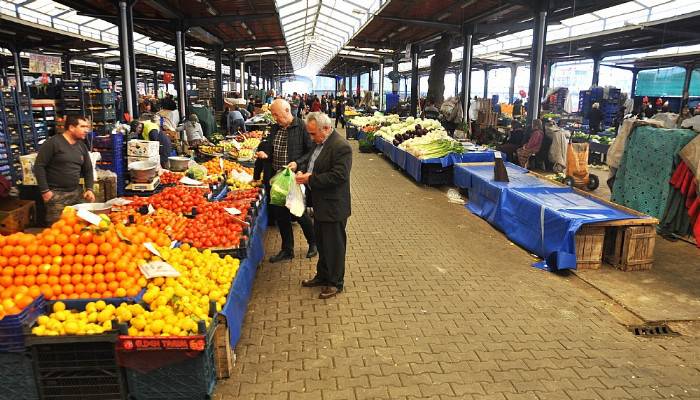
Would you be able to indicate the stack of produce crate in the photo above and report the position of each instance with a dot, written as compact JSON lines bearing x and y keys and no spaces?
{"x":18,"y":127}
{"x":100,"y":107}
{"x":111,"y":149}
{"x":44,"y":114}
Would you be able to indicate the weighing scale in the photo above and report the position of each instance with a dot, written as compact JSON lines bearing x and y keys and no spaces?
{"x":144,"y":187}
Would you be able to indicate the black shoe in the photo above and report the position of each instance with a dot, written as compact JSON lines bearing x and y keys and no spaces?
{"x":281,"y":256}
{"x":313,"y":251}
{"x":313,"y":282}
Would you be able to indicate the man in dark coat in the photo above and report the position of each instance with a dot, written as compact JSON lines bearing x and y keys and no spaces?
{"x":288,"y":144}
{"x":327,"y":177}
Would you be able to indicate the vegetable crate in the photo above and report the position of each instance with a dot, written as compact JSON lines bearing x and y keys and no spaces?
{"x":589,"y":247}
{"x":166,"y":368}
{"x":12,"y":326}
{"x":17,"y":377}
{"x":77,"y":367}
{"x":15,"y":215}
{"x":631,"y":248}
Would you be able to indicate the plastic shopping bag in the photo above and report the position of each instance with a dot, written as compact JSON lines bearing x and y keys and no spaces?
{"x":295,"y":200}
{"x":279,"y":187}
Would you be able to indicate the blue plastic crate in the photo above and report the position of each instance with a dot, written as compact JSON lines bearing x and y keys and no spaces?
{"x":12,"y":326}
{"x":108,"y":141}
{"x":17,"y":377}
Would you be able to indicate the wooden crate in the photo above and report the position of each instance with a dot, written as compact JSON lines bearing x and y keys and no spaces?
{"x":16,"y":215}
{"x":630,"y":248}
{"x":223,"y":355}
{"x":589,"y":247}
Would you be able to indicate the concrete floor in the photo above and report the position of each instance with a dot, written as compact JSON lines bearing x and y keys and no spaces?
{"x":439,"y":305}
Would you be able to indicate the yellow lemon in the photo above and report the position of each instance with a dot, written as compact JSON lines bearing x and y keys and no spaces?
{"x":59,"y":306}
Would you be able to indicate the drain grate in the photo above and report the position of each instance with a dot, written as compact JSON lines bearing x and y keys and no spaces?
{"x":652,"y":330}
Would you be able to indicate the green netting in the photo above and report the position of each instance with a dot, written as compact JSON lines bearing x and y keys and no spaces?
{"x":642,"y":180}
{"x":660,"y":82}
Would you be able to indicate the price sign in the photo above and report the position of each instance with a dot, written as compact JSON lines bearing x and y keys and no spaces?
{"x":158,"y":269}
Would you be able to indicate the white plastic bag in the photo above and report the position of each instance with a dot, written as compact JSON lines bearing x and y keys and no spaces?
{"x":295,"y":200}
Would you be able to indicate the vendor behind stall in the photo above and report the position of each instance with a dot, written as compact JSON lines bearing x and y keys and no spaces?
{"x":235,"y":121}
{"x":61,"y":162}
{"x":195,"y":135}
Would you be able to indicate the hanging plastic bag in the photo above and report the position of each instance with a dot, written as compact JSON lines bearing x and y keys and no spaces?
{"x":279,"y":187}
{"x":295,"y":200}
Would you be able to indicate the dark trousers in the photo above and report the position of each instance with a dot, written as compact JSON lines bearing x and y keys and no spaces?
{"x":284,"y":222}
{"x":331,"y":252}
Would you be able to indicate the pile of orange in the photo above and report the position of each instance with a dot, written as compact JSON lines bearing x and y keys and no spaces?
{"x":69,"y":260}
{"x":162,"y":221}
{"x":214,"y":166}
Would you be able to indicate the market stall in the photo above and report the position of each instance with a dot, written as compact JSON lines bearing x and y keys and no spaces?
{"x":155,"y":286}
{"x":566,"y":227}
{"x":423,"y":149}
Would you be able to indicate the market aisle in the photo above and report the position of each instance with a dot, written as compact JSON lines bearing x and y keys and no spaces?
{"x":439,"y":305}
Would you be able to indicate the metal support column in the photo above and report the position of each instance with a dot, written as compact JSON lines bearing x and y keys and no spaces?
{"x":635,"y":72}
{"x":546,"y":77}
{"x":242,"y":78}
{"x":155,"y":83}
{"x":19,"y":75}
{"x":219,"y":76}
{"x":348,"y":81}
{"x":456,"y":83}
{"x":468,"y":36}
{"x":101,"y":68}
{"x":686,"y":85}
{"x":370,"y":80}
{"x":596,"y":70}
{"x":538,"y":43}
{"x":414,"y":80}
{"x":359,"y":88}
{"x":132,"y":57}
{"x":67,"y":70}
{"x":486,"y":83}
{"x":180,"y":75}
{"x":511,"y":88}
{"x":382,"y":103}
{"x":250,"y":79}
{"x":337,"y":86}
{"x":232,"y":67}
{"x":124,"y":51}
{"x":395,"y":85}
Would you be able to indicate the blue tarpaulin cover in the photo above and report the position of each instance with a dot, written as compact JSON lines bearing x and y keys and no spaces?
{"x":538,"y":215}
{"x":413,"y":165}
{"x":237,"y":303}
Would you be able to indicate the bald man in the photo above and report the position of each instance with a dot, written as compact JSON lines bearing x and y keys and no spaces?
{"x":288,"y":144}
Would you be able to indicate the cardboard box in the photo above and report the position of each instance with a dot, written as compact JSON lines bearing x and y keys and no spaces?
{"x":142,"y":148}
{"x":27,"y":162}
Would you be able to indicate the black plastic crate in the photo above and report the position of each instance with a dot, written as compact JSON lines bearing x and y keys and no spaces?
{"x":184,"y":374}
{"x":107,"y":114}
{"x":77,"y":367}
{"x":17,"y":377}
{"x":436,"y":174}
{"x":106,"y":98}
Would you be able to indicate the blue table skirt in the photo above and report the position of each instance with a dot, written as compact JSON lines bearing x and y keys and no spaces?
{"x":235,"y":308}
{"x":413,"y":165}
{"x":539,"y":215}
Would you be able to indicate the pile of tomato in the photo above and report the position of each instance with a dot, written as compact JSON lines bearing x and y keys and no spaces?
{"x":178,"y":199}
{"x":168,"y":177}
